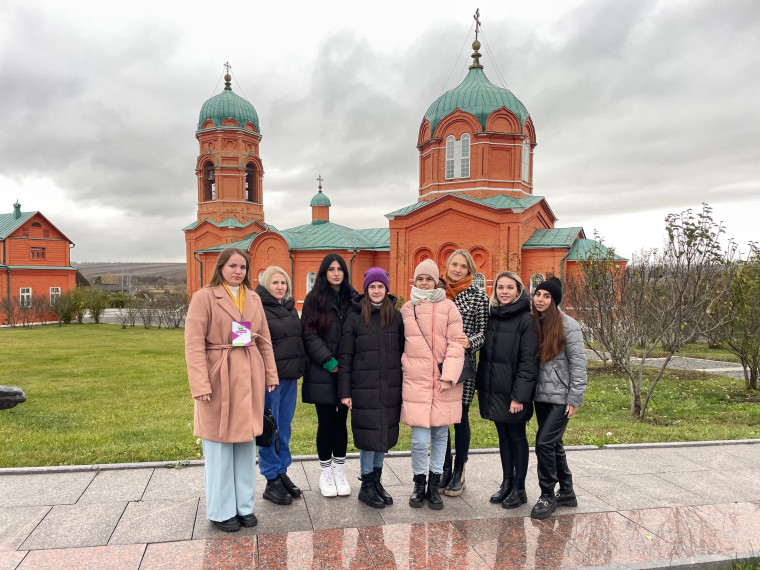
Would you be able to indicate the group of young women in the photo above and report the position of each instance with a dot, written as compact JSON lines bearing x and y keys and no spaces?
{"x":357,"y":352}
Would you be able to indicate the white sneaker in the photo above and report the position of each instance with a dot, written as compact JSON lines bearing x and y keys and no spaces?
{"x":344,"y":490}
{"x":327,"y":484}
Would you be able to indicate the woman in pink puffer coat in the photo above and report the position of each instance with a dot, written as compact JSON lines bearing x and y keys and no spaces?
{"x":432,"y":364}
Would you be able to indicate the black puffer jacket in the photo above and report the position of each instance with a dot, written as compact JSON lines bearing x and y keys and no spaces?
{"x":319,"y":385}
{"x":287,"y":337}
{"x":370,"y":374}
{"x":509,"y":365}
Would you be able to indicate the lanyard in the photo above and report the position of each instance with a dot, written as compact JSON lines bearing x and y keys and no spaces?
{"x":239,"y":300}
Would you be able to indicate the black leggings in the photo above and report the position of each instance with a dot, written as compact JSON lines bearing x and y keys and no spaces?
{"x":514,"y":452}
{"x":550,"y":452}
{"x":461,"y":437}
{"x":332,"y":435}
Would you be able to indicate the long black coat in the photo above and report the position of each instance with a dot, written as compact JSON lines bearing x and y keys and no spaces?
{"x":509,"y":365}
{"x":370,"y":374}
{"x":287,"y":337}
{"x":319,"y":385}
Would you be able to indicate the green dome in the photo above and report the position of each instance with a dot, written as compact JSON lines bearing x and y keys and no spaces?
{"x":475,"y":95}
{"x":228,"y":105}
{"x":320,"y":199}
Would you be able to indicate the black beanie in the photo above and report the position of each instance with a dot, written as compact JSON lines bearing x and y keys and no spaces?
{"x":554,"y":287}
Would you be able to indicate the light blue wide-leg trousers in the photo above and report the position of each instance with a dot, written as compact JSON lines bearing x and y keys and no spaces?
{"x":230,"y":477}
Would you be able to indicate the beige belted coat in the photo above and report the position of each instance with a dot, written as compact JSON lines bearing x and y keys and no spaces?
{"x":236,"y":377}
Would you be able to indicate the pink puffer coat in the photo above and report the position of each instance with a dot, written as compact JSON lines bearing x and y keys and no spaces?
{"x":423,"y":405}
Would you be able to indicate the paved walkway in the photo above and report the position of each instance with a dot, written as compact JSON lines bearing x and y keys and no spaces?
{"x":733,"y":369}
{"x":656,"y":505}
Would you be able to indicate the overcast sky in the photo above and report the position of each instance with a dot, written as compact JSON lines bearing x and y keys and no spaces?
{"x":641,"y":108}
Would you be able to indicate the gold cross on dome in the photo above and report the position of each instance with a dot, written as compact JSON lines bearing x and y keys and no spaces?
{"x":476,"y":17}
{"x":320,"y":179}
{"x":227,"y":66}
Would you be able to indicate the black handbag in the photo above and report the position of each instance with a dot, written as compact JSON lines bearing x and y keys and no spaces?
{"x":270,"y":432}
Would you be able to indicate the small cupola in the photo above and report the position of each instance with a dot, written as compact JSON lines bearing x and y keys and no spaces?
{"x":320,"y":206}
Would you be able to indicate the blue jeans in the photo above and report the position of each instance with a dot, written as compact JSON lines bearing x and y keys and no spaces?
{"x":369,"y":460}
{"x":282,"y":402}
{"x":434,"y":437}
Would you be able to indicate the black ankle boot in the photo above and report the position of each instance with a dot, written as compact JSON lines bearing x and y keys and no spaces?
{"x":456,"y":485}
{"x":517,"y":497}
{"x":417,"y":499}
{"x":275,"y":491}
{"x":446,"y":475}
{"x":566,"y":498}
{"x":504,"y":490}
{"x":368,"y":494}
{"x":434,"y":499}
{"x":387,"y":499}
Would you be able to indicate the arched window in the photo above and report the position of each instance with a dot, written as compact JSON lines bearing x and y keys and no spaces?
{"x":311,"y":277}
{"x":209,"y":182}
{"x":464,"y":143}
{"x":526,"y":161}
{"x":457,"y":157}
{"x":535,"y":280}
{"x":451,"y":143}
{"x":250,"y":183}
{"x":36,"y":225}
{"x":479,"y":280}
{"x":259,"y":278}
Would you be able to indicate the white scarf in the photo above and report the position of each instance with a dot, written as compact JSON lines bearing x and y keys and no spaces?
{"x":427,"y":295}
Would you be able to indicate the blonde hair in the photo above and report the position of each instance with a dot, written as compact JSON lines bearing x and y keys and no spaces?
{"x":269,"y":272}
{"x":468,"y":258}
{"x":494,"y":301}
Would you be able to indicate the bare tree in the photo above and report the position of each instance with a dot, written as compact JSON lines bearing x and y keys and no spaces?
{"x":147,"y":313}
{"x":61,"y":307}
{"x":39,"y":308}
{"x":10,"y":307}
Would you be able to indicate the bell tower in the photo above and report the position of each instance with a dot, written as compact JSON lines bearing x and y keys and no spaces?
{"x":229,"y":170}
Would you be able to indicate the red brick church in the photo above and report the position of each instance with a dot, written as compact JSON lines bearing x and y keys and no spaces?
{"x":476,"y":147}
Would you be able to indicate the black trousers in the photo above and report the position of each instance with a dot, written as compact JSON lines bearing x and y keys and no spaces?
{"x":462,"y":436}
{"x":514,"y":451}
{"x":332,"y":434}
{"x":550,"y":452}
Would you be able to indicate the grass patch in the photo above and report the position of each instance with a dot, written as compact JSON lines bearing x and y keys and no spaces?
{"x":102,"y":394}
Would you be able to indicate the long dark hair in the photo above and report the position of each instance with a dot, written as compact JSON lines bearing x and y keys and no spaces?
{"x":551,"y":332}
{"x":224,"y":257}
{"x":387,"y":312}
{"x":317,"y":315}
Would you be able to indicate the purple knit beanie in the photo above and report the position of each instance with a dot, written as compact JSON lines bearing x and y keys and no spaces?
{"x":376,"y":274}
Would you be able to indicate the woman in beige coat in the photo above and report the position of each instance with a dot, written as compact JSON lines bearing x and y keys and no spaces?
{"x":431,"y":364}
{"x":230,"y":363}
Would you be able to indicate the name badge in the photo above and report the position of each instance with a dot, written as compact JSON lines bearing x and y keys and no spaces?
{"x":241,"y":333}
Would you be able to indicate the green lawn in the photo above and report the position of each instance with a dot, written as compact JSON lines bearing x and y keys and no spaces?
{"x":102,"y":394}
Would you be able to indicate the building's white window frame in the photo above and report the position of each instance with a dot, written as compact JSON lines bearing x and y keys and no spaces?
{"x":535,"y":280}
{"x":55,"y":292}
{"x":311,"y":278}
{"x":25,"y":296}
{"x":457,"y":157}
{"x":526,"y":161}
{"x":479,"y":280}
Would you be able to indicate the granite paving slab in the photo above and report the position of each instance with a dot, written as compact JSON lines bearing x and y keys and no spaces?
{"x":663,"y":493}
{"x":17,"y":523}
{"x":271,"y":518}
{"x":125,"y":557}
{"x":69,"y":526}
{"x":748,"y":454}
{"x":322,"y":549}
{"x":175,"y":484}
{"x":156,"y":521}
{"x":715,"y":488}
{"x":341,"y":512}
{"x":10,"y":560}
{"x":43,"y":488}
{"x":123,"y":485}
{"x":222,"y":554}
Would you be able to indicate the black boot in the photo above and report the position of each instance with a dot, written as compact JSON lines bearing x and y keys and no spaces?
{"x":434,"y":499}
{"x":544,"y":507}
{"x":446,"y":475}
{"x":456,"y":485}
{"x":387,"y":499}
{"x":504,"y":490}
{"x":368,"y":494}
{"x":566,"y":498}
{"x":290,"y":487}
{"x":275,"y":492}
{"x":417,"y":499}
{"x":517,"y":497}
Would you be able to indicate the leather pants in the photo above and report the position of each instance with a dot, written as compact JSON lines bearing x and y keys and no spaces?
{"x":550,"y":452}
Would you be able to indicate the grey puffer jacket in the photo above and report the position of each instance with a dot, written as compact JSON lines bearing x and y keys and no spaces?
{"x":562,"y":380}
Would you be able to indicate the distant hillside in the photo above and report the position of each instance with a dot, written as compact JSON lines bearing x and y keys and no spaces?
{"x":169,"y":271}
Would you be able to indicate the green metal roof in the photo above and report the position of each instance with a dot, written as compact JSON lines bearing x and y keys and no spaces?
{"x":228,"y":104}
{"x":555,"y":237}
{"x":9,"y":223}
{"x":243,"y":244}
{"x":334,"y":236}
{"x":583,"y":249}
{"x":499,"y":202}
{"x":40,"y":267}
{"x":320,"y":199}
{"x":228,"y":223}
{"x":478,"y":96}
